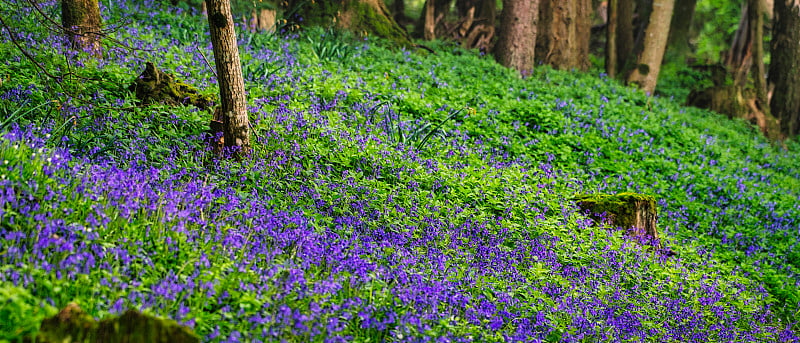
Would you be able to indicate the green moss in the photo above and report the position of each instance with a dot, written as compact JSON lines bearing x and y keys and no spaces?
{"x":361,"y":17}
{"x":616,"y":207}
{"x":74,"y":325}
{"x":366,"y":18}
{"x":157,"y":87}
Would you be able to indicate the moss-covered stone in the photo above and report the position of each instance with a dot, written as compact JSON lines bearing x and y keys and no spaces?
{"x":636,"y":213}
{"x":154,"y":86}
{"x":360,"y":16}
{"x":72,"y":324}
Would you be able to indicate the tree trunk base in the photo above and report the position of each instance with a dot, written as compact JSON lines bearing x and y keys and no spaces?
{"x":637,"y":214}
{"x":359,"y":16}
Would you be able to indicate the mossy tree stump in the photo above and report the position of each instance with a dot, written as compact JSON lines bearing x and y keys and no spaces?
{"x":72,"y":324}
{"x":154,"y":86}
{"x":635,"y":213}
{"x":359,"y":16}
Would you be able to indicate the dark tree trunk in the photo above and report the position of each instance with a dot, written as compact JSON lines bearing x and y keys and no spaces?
{"x":229,"y":76}
{"x":678,"y":43}
{"x":82,"y":24}
{"x":564,"y":30}
{"x":624,"y":36}
{"x":517,"y":37}
{"x":399,"y":11}
{"x":645,"y":75}
{"x":755,"y":14}
{"x":784,"y":71}
{"x":643,"y":10}
{"x":611,"y":38}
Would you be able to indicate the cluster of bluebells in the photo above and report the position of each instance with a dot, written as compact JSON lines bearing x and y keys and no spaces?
{"x":335,"y":231}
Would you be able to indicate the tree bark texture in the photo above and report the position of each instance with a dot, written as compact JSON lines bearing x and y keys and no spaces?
{"x":646,"y":72}
{"x":82,"y":24}
{"x":624,"y":36}
{"x":611,"y":38}
{"x":359,"y":16}
{"x":755,"y":15}
{"x":516,"y":42}
{"x":433,"y":12}
{"x":564,"y":30}
{"x":678,"y":43}
{"x":229,"y":73}
{"x":784,"y":72}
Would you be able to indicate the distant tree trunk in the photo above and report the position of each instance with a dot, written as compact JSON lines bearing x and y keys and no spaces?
{"x":517,"y":38}
{"x":784,"y":71}
{"x":611,"y":38}
{"x":678,"y":42}
{"x":433,"y":12}
{"x":229,"y":75}
{"x":359,"y":16}
{"x":399,"y":11}
{"x":564,"y":30}
{"x":646,"y":72}
{"x":643,"y":10}
{"x":82,"y":24}
{"x":485,"y":10}
{"x":429,"y":23}
{"x":756,"y":17}
{"x":624,"y":36}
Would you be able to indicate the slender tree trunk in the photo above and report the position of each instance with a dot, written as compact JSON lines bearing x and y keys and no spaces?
{"x":624,"y":36}
{"x":517,"y":38}
{"x":564,"y":30}
{"x":429,"y":24}
{"x":678,"y":43}
{"x":646,"y":72}
{"x":756,"y":17}
{"x":229,"y":72}
{"x":784,"y":72}
{"x":82,"y":24}
{"x":432,"y":13}
{"x":611,"y":38}
{"x":399,"y":11}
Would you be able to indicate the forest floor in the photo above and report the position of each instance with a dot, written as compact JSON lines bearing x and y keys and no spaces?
{"x":391,"y":195}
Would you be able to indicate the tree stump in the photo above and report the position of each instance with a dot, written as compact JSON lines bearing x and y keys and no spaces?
{"x":154,"y":86}
{"x":72,"y":324}
{"x":636,"y":213}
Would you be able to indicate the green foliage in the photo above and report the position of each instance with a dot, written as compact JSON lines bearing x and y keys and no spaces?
{"x":329,"y":44}
{"x":20,"y":312}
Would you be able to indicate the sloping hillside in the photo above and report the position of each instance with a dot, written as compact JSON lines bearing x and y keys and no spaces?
{"x":360,"y":218}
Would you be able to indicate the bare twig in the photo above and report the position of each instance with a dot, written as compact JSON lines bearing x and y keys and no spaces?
{"x":206,"y":60}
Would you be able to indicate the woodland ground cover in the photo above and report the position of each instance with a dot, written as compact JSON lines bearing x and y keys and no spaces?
{"x":348,"y":224}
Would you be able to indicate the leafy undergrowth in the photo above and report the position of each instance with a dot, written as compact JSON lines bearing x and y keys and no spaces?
{"x":391,"y":196}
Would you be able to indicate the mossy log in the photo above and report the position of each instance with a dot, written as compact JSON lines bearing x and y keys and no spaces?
{"x":359,"y":16}
{"x":635,"y":213}
{"x":154,"y":86}
{"x":72,"y":324}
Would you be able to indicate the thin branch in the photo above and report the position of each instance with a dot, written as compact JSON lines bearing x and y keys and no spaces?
{"x":206,"y":60}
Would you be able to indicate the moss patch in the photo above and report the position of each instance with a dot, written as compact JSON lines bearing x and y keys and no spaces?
{"x":617,"y":208}
{"x":154,"y":86}
{"x":72,"y":324}
{"x":358,"y":16}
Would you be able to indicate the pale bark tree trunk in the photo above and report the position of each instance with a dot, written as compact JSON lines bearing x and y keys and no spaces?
{"x":678,"y":42}
{"x":517,"y":38}
{"x":564,"y":30}
{"x":82,"y":24}
{"x":784,"y":72}
{"x":624,"y":36}
{"x":655,"y":42}
{"x":429,"y":25}
{"x":229,"y":72}
{"x":611,"y":38}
